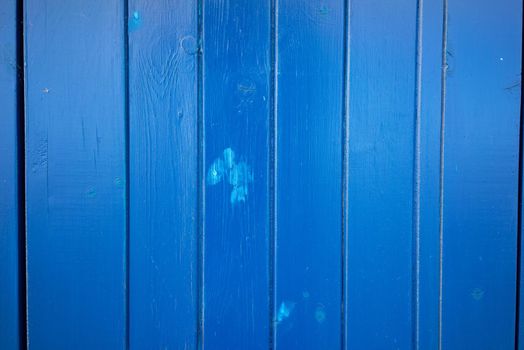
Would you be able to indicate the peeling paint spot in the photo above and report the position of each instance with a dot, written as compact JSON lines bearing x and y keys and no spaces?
{"x":285,"y":310}
{"x":320,"y":313}
{"x":238,"y":175}
{"x":477,"y":293}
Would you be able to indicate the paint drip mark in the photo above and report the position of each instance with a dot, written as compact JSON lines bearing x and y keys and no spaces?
{"x":238,"y":175}
{"x":284,"y":311}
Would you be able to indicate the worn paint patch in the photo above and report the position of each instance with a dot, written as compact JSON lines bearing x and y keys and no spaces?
{"x":284,"y":311}
{"x":237,"y":174}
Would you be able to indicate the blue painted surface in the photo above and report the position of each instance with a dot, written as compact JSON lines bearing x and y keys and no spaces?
{"x":75,"y":174}
{"x":429,"y":115}
{"x":309,"y":100}
{"x":236,"y":98}
{"x":238,"y":175}
{"x":163,"y":154}
{"x":381,"y":211}
{"x":481,"y":141}
{"x":302,"y":174}
{"x":9,"y":205}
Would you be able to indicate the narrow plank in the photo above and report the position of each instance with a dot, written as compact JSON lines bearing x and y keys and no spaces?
{"x":481,"y":174}
{"x":236,"y":99}
{"x":430,"y":111}
{"x":381,"y":209}
{"x":9,"y":205}
{"x":519,"y":322}
{"x":75,"y":171}
{"x":163,"y":172}
{"x":310,"y":73}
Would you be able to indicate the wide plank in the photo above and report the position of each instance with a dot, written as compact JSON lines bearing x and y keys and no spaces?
{"x":10,"y":275}
{"x":236,"y":75}
{"x":309,"y":119}
{"x":381,"y":233}
{"x":163,"y":174}
{"x":480,"y":175}
{"x":76,"y":174}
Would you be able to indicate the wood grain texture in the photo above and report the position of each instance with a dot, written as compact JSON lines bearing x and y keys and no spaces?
{"x":429,"y":112}
{"x":310,"y":47}
{"x":297,"y":178}
{"x":236,"y":99}
{"x":482,"y":107}
{"x":9,"y":205}
{"x":381,"y":175}
{"x":163,"y":171}
{"x":75,"y":171}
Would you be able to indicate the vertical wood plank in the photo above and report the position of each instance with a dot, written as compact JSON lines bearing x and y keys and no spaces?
{"x":236,"y":75}
{"x":163,"y":53}
{"x":481,"y":173}
{"x":429,"y":98}
{"x":310,"y":73}
{"x":381,"y":175}
{"x":75,"y":170}
{"x":9,"y":205}
{"x":519,"y":321}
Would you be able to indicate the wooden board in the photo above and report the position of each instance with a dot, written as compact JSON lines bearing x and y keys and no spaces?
{"x":427,"y":181}
{"x":309,"y":117}
{"x":381,"y":209}
{"x":295,"y":174}
{"x":9,"y":181}
{"x":76,"y":174}
{"x":236,"y":99}
{"x":163,"y":171}
{"x":481,"y":138}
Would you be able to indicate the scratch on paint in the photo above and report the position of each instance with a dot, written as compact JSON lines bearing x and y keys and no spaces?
{"x":284,"y":310}
{"x":238,"y":175}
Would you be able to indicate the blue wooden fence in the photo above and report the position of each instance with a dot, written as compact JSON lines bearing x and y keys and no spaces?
{"x":240,"y":174}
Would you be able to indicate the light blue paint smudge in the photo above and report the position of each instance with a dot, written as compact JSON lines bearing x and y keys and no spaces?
{"x":238,"y":175}
{"x":134,"y":21}
{"x":285,"y":310}
{"x":229,"y":158}
{"x":216,"y":172}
